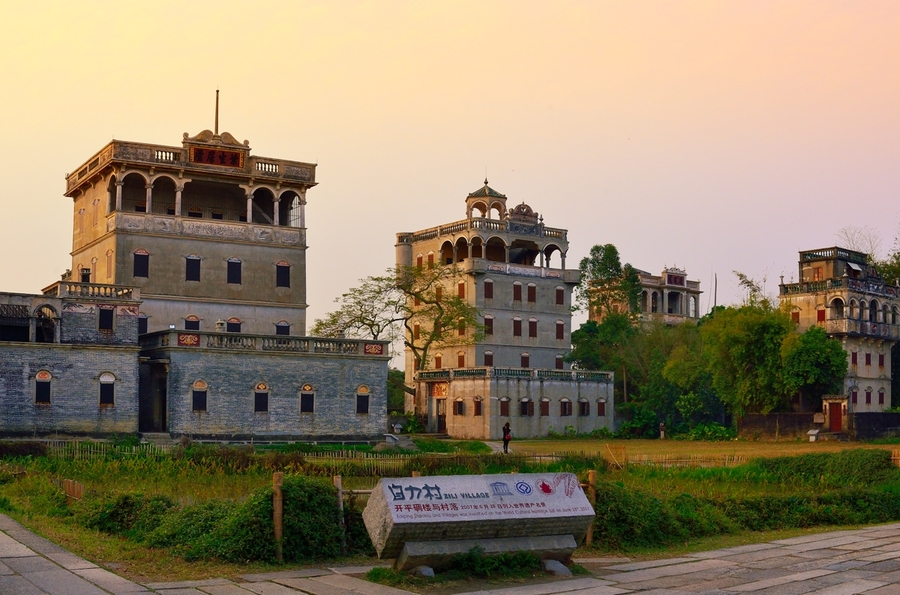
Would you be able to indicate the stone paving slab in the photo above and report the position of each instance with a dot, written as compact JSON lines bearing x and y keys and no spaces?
{"x":231,"y":589}
{"x":354,"y":569}
{"x":109,"y":581}
{"x":309,"y":585}
{"x":781,"y":580}
{"x":187,"y":591}
{"x":650,"y":564}
{"x":815,"y":537}
{"x":62,"y":582}
{"x":577,"y":586}
{"x":661,"y":571}
{"x":601,"y":561}
{"x":741,"y":549}
{"x":849,"y":588}
{"x":71,"y":561}
{"x":10,"y":548}
{"x":885,"y":590}
{"x":866,"y":544}
{"x":358,"y":585}
{"x":210,"y":582}
{"x":271,"y":576}
{"x":822,"y":544}
{"x":268,"y":588}
{"x":881,"y":556}
{"x":16,"y":585}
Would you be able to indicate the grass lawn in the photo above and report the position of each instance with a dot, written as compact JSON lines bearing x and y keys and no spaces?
{"x":745,"y":448}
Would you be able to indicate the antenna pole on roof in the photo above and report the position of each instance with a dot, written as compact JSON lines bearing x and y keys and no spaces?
{"x":217,"y":111}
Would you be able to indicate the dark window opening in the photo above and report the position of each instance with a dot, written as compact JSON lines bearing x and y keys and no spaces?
{"x":545,"y":408}
{"x":526,"y":361}
{"x":362,"y":404}
{"x":233,"y":327}
{"x":532,"y":293}
{"x":461,"y":290}
{"x":478,"y":409}
{"x":192,"y":269}
{"x":565,"y":408}
{"x":532,"y":328}
{"x":517,"y":328}
{"x":218,"y":215}
{"x":198,"y":400}
{"x":107,"y":393}
{"x":459,"y":408}
{"x":488,"y":359}
{"x":234,"y":272}
{"x":282,"y":329}
{"x":460,"y":360}
{"x":560,"y":296}
{"x":526,"y":408}
{"x":192,"y":324}
{"x":560,"y":331}
{"x":141,"y":265}
{"x":42,"y":392}
{"x":282,"y":276}
{"x":559,"y":362}
{"x":488,"y":326}
{"x":488,"y":290}
{"x":584,"y":409}
{"x":517,"y":292}
{"x":504,"y":408}
{"x":142,"y":325}
{"x":106,"y":319}
{"x":260,"y":402}
{"x":601,"y":409}
{"x":307,"y":402}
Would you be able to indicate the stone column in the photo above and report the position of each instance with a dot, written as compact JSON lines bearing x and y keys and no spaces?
{"x":119,"y":185}
{"x":562,"y":256}
{"x":276,"y":202}
{"x":506,"y":249}
{"x":303,"y":209}
{"x":149,"y":198}
{"x":178,"y":191}
{"x":249,"y":207}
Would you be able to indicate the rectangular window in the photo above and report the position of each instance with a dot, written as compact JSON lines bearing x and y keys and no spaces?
{"x":532,"y":294}
{"x":517,"y":328}
{"x":868,"y":359}
{"x":459,"y":408}
{"x":854,"y":397}
{"x":106,"y":318}
{"x":198,"y":400}
{"x":601,"y":409}
{"x":431,"y":261}
{"x":142,"y":325}
{"x":141,"y":265}
{"x":560,"y":331}
{"x":438,"y":363}
{"x":282,"y":329}
{"x":42,"y":392}
{"x":584,"y":409}
{"x":233,"y":327}
{"x":820,"y":315}
{"x":880,"y":360}
{"x":461,"y":290}
{"x":260,"y":402}
{"x":504,"y":407}
{"x":282,"y":276}
{"x":545,"y":408}
{"x":565,"y":408}
{"x":107,"y":393}
{"x":868,"y":397}
{"x":192,"y":269}
{"x":517,"y":292}
{"x":881,"y":398}
{"x":438,"y":293}
{"x":560,"y":296}
{"x":488,"y":290}
{"x":488,"y":359}
{"x":795,"y":317}
{"x":234,"y":272}
{"x":192,"y":325}
{"x":532,"y":328}
{"x":416,"y":332}
{"x":559,"y":363}
{"x":461,"y":329}
{"x":307,"y":402}
{"x":853,"y":357}
{"x":526,"y":361}
{"x":461,"y":360}
{"x":488,"y":326}
{"x":477,"y":408}
{"x":526,"y":408}
{"x":419,"y":262}
{"x":362,"y":404}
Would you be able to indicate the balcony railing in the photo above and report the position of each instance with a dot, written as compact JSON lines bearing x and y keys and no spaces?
{"x":451,"y":374}
{"x":93,"y":290}
{"x":849,"y":326}
{"x":858,"y":285}
{"x":246,"y":342}
{"x":489,"y":225}
{"x":220,"y":229}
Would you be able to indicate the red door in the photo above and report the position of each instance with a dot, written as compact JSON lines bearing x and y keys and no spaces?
{"x":834,"y":417}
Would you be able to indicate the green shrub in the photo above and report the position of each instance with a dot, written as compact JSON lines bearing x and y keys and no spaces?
{"x":628,"y":518}
{"x":847,"y":468}
{"x":509,"y":564}
{"x":22,"y":449}
{"x":126,"y":515}
{"x":187,"y":529}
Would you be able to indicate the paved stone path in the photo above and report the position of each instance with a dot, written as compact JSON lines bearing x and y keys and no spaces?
{"x":838,"y":563}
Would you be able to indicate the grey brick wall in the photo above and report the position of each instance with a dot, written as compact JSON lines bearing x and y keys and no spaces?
{"x":75,"y":389}
{"x":80,"y":324}
{"x":232,"y":377}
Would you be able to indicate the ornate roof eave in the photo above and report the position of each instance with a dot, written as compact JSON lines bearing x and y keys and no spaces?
{"x":209,"y":138}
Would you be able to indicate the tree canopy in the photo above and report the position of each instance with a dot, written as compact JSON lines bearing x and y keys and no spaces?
{"x":606,"y":285}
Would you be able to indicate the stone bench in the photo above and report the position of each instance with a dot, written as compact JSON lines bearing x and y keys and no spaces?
{"x":427,"y":520}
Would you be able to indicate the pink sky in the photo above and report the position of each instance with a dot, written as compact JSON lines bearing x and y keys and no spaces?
{"x":714,"y":136}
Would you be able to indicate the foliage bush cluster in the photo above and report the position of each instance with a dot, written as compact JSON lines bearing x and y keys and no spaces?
{"x":710,"y":432}
{"x":22,"y":449}
{"x":856,"y":467}
{"x":234,"y":532}
{"x":508,"y":564}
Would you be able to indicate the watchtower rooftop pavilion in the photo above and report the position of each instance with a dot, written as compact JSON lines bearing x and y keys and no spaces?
{"x":208,"y":231}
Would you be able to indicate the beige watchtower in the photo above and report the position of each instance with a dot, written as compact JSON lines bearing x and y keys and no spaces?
{"x":213,"y":236}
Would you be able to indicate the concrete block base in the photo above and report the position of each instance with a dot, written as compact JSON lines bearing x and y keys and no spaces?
{"x":438,"y":554}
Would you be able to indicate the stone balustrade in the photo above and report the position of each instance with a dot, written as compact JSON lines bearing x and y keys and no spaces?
{"x":530,"y":373}
{"x":246,"y":342}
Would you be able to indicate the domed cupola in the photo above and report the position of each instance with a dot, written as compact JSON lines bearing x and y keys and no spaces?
{"x":485,"y":200}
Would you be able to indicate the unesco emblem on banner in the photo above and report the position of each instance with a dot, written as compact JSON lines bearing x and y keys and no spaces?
{"x":523,"y":488}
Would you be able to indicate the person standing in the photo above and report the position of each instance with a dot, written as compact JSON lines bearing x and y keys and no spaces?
{"x":507,"y":436}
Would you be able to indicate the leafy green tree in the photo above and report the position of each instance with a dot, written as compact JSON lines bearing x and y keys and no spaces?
{"x":606,"y":285}
{"x":396,"y":393}
{"x":814,"y":365}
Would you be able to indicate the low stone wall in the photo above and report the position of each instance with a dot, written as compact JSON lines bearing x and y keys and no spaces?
{"x":776,"y":426}
{"x":876,"y":425}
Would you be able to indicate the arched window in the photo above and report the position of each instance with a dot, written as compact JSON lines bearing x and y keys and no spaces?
{"x":198,"y":396}
{"x":532,"y":293}
{"x":307,"y":399}
{"x":532,"y":327}
{"x":545,"y":408}
{"x":517,"y":292}
{"x":601,"y":407}
{"x":234,"y":271}
{"x":584,"y":408}
{"x":233,"y":325}
{"x":526,"y":408}
{"x":560,"y":363}
{"x":192,"y":267}
{"x":45,"y":324}
{"x":478,"y":409}
{"x":837,"y":308}
{"x":517,"y":327}
{"x":561,"y":296}
{"x":362,"y":400}
{"x":488,"y":289}
{"x":261,"y":398}
{"x":459,"y":407}
{"x":565,"y":408}
{"x":504,"y":407}
{"x":192,"y":323}
{"x":488,"y":324}
{"x":282,"y":274}
{"x":141,"y":263}
{"x":282,"y":327}
{"x":560,"y":330}
{"x":417,"y":330}
{"x":107,"y":390}
{"x":488,"y":358}
{"x":438,"y":360}
{"x":525,"y":360}
{"x":42,"y":387}
{"x":461,"y":359}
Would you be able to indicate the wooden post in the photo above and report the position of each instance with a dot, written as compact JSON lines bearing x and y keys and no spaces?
{"x":592,"y":498}
{"x":415,"y":474}
{"x":278,"y":512}
{"x":339,"y":484}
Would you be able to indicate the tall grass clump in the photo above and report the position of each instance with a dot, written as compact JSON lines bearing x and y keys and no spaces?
{"x":847,"y":468}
